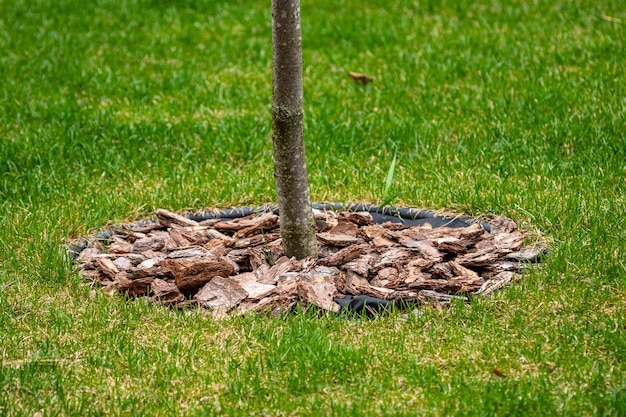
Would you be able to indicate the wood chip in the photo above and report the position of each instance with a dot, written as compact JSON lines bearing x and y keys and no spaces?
{"x":344,"y":255}
{"x":144,"y":228}
{"x":450,"y":245}
{"x":256,"y":290}
{"x":329,"y":273}
{"x":502,"y":224}
{"x":356,"y":284}
{"x":277,"y":305}
{"x":194,"y":252}
{"x":133,"y":287}
{"x":442,"y":270}
{"x":496,"y":282}
{"x":107,"y":267}
{"x":252,"y":221}
{"x":319,"y":291}
{"x":256,"y":240}
{"x":467,"y":279}
{"x":281,"y":267}
{"x":508,"y":242}
{"x":427,"y":250}
{"x":120,"y":246}
{"x":373,"y":231}
{"x":177,"y":239}
{"x":361,"y":265}
{"x":156,"y":241}
{"x":151,"y":272}
{"x":344,"y":227}
{"x":258,"y":260}
{"x":415,"y":270}
{"x":165,"y":292}
{"x":193,"y":273}
{"x":394,"y":226}
{"x":382,"y":242}
{"x":481,"y":258}
{"x":220,"y":293}
{"x":212,"y":234}
{"x":123,"y":264}
{"x":360,"y":218}
{"x":169,"y":219}
{"x":391,"y":257}
{"x":337,"y":239}
{"x":388,"y":278}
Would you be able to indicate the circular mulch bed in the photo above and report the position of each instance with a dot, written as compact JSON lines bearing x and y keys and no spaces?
{"x":371,"y":259}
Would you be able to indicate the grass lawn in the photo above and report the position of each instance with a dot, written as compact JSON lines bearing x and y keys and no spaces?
{"x":112,"y":109}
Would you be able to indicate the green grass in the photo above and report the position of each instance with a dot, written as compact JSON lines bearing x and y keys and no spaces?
{"x":111,"y":109}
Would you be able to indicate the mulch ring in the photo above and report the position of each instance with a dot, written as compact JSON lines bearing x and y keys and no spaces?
{"x":232,"y":262}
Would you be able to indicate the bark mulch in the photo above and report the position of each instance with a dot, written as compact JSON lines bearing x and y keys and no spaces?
{"x":237,"y":266}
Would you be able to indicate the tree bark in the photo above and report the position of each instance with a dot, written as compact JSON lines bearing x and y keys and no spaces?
{"x":297,"y":224}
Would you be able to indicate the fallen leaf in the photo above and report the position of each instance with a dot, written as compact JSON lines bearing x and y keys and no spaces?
{"x":361,"y":78}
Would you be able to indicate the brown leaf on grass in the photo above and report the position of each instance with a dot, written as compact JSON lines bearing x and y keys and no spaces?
{"x":361,"y":78}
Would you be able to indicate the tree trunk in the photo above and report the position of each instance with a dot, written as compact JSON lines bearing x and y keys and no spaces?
{"x":297,"y":225}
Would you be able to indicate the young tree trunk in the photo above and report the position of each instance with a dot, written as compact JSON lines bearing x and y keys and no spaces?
{"x":297,"y":225}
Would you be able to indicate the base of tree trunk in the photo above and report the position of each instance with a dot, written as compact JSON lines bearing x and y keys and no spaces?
{"x":371,"y":259}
